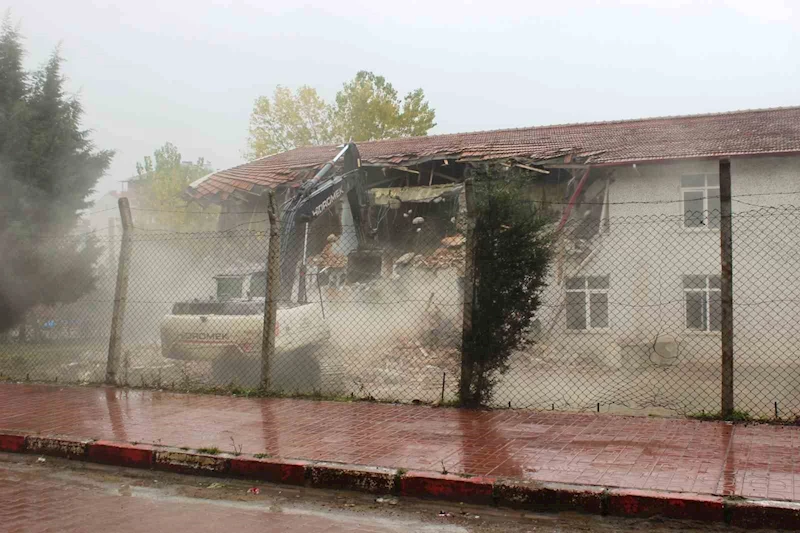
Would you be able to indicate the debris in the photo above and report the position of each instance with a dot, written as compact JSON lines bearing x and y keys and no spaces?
{"x":442,"y":258}
{"x":405,"y":258}
{"x":417,"y":221}
{"x":253,"y":490}
{"x":349,"y":505}
{"x":423,"y":350}
{"x":454,"y":241}
{"x":445,"y":515}
{"x":450,"y":254}
{"x":390,"y":501}
{"x":41,"y":460}
{"x":327,"y":257}
{"x":215,"y":486}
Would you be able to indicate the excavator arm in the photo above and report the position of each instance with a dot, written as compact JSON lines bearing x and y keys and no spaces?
{"x":314,"y":198}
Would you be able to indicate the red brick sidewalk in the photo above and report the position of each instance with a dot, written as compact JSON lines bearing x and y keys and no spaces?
{"x":708,"y":458}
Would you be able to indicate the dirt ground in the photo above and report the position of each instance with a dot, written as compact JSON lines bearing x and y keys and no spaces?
{"x":396,"y":366}
{"x":409,"y":352}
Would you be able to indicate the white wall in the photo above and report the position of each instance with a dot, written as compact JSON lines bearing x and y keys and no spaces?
{"x":647,"y":251}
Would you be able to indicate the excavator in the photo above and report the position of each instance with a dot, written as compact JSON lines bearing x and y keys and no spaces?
{"x":313,"y":199}
{"x":226,"y":329}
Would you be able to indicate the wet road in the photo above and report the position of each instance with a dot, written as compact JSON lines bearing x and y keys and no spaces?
{"x":64,"y":496}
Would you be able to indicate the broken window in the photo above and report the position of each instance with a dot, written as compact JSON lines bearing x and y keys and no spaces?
{"x":703,"y":302}
{"x":700,"y":198}
{"x":587,"y":302}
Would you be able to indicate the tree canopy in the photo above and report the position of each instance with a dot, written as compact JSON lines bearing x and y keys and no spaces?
{"x":160,"y":181}
{"x":366,"y":108}
{"x":48,"y":169}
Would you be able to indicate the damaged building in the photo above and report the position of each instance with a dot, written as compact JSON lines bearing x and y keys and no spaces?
{"x":635,"y":279}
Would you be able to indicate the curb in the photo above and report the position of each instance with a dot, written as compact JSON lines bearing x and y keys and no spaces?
{"x":418,"y":484}
{"x":763,"y":514}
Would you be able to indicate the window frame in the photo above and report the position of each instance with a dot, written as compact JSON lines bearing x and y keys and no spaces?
{"x":704,"y":189}
{"x":587,"y":303}
{"x":706,"y":292}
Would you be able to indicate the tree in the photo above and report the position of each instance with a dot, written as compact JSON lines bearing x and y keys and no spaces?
{"x":48,"y":169}
{"x":367,"y":108}
{"x":512,"y":256}
{"x":288,"y":121}
{"x":12,"y":76}
{"x":160,"y":182}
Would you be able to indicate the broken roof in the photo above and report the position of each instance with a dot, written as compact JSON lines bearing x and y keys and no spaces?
{"x":738,"y":133}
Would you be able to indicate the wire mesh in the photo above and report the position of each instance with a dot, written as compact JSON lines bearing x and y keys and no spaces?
{"x":630,"y":319}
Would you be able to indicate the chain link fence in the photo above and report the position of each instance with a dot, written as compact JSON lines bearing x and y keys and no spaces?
{"x":630,"y":320}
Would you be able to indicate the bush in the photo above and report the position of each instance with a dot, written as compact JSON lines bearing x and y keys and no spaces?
{"x":512,"y":256}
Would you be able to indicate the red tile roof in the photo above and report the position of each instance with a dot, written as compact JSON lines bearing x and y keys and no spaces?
{"x":738,"y":133}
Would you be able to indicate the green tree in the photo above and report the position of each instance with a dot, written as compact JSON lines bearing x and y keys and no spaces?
{"x":367,"y":108}
{"x":13,"y":78}
{"x":512,"y":257}
{"x":48,"y":169}
{"x":289,"y":120}
{"x":161,"y":180}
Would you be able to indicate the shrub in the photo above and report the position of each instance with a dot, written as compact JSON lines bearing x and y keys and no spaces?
{"x":512,"y":246}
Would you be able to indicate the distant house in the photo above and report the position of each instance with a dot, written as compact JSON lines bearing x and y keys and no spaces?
{"x":637,"y":279}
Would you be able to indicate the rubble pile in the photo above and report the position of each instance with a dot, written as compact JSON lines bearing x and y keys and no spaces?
{"x":328,"y":257}
{"x":450,"y":254}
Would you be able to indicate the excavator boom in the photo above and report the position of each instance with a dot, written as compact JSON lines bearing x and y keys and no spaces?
{"x":314,"y":198}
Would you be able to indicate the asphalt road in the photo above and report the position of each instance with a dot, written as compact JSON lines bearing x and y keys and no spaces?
{"x":38,"y":495}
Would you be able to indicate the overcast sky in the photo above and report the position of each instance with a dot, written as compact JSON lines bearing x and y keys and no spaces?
{"x":188,"y":71}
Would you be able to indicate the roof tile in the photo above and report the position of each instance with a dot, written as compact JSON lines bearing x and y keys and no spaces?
{"x":750,"y":132}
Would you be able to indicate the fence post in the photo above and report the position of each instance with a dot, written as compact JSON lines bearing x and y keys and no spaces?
{"x":272,"y":292}
{"x":112,"y":234}
{"x":468,"y":288}
{"x":120,"y":293}
{"x":726,"y":259}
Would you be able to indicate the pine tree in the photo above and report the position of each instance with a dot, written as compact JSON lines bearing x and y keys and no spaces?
{"x":48,"y":169}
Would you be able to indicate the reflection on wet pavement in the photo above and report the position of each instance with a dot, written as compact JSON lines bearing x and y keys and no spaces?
{"x":646,"y":453}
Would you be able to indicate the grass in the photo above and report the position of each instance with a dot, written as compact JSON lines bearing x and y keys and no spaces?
{"x":213,"y":450}
{"x":262,"y":455}
{"x":736,"y":416}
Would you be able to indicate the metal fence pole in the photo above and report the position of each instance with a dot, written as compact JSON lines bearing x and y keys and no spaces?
{"x":272,"y":292}
{"x":120,"y":293}
{"x":467,"y":362}
{"x":726,"y":253}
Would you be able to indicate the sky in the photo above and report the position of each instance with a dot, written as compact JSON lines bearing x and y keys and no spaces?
{"x":188,"y":71}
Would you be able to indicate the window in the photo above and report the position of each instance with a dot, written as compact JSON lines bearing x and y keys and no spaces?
{"x":258,"y":285}
{"x":703,"y":302}
{"x":228,"y":288}
{"x":700,"y":198}
{"x":587,"y":303}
